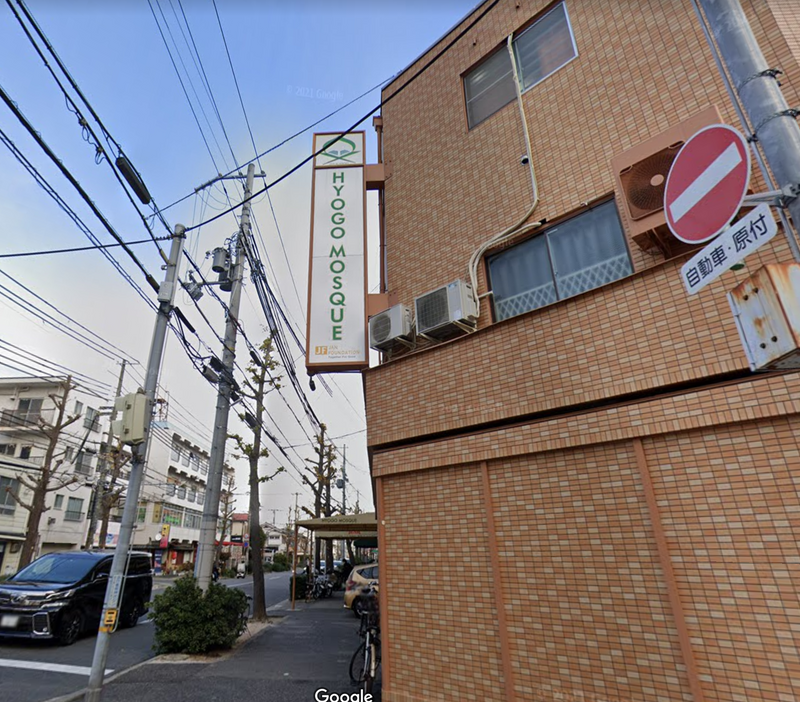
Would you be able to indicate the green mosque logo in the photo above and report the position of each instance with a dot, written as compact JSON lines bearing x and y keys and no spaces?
{"x":345,"y":151}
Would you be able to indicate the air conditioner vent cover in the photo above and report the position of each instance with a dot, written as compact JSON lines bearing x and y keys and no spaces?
{"x":447,"y":311}
{"x":645,"y":182}
{"x":390,"y":327}
{"x":433,"y":310}
{"x":381,"y":328}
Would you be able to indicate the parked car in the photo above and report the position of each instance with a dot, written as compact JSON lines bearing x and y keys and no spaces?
{"x":60,"y":595}
{"x":359,"y":578}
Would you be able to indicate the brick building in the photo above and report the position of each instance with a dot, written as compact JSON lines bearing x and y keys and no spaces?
{"x":601,"y":495}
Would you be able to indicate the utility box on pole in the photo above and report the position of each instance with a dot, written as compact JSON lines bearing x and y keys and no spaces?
{"x":130,"y":427}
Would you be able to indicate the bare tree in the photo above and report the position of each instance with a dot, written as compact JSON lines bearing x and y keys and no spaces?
{"x":226,"y":517}
{"x":259,"y":382}
{"x":322,"y":471}
{"x":50,"y":477}
{"x":111,"y":494}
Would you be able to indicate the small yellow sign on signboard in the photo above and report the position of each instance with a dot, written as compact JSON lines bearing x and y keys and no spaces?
{"x":109,"y":620}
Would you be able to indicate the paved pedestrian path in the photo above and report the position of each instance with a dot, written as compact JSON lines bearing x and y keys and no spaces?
{"x":299,"y":653}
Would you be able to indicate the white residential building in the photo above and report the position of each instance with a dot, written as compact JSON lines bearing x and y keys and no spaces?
{"x":172,"y":499}
{"x":24,"y":404}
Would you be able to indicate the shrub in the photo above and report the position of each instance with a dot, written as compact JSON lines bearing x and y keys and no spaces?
{"x":281,"y":558}
{"x":188,"y":621}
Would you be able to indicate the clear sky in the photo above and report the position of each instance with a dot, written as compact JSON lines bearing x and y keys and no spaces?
{"x":295,"y":62}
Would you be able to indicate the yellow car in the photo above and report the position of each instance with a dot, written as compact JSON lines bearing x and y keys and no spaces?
{"x":359,"y":578}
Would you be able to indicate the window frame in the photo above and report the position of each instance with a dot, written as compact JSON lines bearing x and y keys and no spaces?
{"x":504,"y":47}
{"x":526,"y":28}
{"x":543,"y":232}
{"x":8,"y":504}
{"x":73,"y":515}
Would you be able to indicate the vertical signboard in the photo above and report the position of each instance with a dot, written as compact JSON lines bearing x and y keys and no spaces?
{"x":336,"y":338}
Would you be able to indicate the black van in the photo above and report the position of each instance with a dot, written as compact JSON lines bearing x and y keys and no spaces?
{"x":60,"y":595}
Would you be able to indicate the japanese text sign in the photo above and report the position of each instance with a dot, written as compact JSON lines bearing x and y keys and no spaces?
{"x":732,"y":246}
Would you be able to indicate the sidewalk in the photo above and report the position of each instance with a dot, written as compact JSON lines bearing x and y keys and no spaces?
{"x":301,"y":652}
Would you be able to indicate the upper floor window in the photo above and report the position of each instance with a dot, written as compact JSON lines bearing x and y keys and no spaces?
{"x":7,"y":502}
{"x":30,"y":409}
{"x":92,"y":419}
{"x":581,"y":253}
{"x":74,"y":511}
{"x":540,"y":50}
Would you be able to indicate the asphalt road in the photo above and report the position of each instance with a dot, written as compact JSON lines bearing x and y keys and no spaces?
{"x":33,"y":671}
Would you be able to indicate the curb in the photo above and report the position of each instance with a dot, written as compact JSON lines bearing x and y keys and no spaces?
{"x":163,"y":659}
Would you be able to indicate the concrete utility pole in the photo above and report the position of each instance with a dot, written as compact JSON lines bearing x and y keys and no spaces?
{"x":110,"y":616}
{"x":774,"y":124}
{"x":344,"y":495}
{"x":99,"y":486}
{"x":208,"y":527}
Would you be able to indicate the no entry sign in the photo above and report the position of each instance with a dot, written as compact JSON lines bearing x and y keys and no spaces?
{"x":707,"y":183}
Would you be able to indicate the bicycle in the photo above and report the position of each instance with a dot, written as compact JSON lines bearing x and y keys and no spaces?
{"x":367,"y":657}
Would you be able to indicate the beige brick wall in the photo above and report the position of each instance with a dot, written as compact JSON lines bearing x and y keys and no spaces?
{"x":641,"y":483}
{"x":730,"y":507}
{"x":588,"y":613}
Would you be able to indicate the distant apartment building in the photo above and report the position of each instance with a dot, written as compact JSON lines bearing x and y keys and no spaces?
{"x":26,"y":403}
{"x":172,"y":499}
{"x":600,"y":495}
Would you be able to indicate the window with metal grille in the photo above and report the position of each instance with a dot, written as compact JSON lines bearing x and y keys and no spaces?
{"x":74,"y":511}
{"x":7,"y":486}
{"x":59,"y":502}
{"x":540,"y":50}
{"x":192,"y":519}
{"x":92,"y":419}
{"x":581,"y":253}
{"x":83,"y":462}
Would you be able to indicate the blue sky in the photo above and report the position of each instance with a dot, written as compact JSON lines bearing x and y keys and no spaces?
{"x":295,"y":62}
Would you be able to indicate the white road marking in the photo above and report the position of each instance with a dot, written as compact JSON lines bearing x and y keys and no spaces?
{"x":706,"y":182}
{"x":49,"y":667}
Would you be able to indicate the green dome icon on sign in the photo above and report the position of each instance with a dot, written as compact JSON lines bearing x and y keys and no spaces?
{"x":340,"y":149}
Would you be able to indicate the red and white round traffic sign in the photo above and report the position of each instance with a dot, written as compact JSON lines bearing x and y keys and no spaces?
{"x":707,"y":183}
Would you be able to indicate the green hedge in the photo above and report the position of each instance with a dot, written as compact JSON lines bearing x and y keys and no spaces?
{"x":188,"y":621}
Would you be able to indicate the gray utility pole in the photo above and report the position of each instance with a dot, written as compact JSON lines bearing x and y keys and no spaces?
{"x":208,"y":527}
{"x":166,"y":295}
{"x":344,"y":480}
{"x":774,"y":125}
{"x":344,"y":495}
{"x":100,"y":485}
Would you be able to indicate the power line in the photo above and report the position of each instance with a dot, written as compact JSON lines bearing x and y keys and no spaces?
{"x":81,"y":225}
{"x":399,"y":90}
{"x":121,"y":353}
{"x":66,"y":173}
{"x":80,"y":248}
{"x":99,"y":151}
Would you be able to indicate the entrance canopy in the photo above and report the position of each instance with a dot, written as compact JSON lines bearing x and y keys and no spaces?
{"x":343,"y":526}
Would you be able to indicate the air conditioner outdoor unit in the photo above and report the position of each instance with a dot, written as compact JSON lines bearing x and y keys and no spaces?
{"x":641,"y":177}
{"x":446,"y":312}
{"x":389,"y":328}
